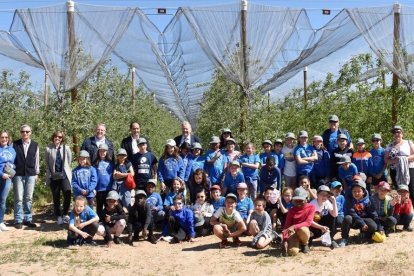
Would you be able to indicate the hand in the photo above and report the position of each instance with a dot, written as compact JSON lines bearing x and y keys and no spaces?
{"x":325,"y":229}
{"x":172,"y":208}
{"x":6,"y":176}
{"x":332,"y":199}
{"x":144,"y":233}
{"x":85,"y":235}
{"x":203,"y":214}
{"x":83,"y":192}
{"x":107,"y":218}
{"x":291,"y":230}
{"x":163,"y":187}
{"x":218,"y":154}
{"x":365,"y":228}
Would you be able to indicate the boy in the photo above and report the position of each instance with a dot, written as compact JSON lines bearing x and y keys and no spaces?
{"x":144,"y":163}
{"x":336,"y":189}
{"x":267,"y":152}
{"x":384,"y":205}
{"x":112,"y":220}
{"x":378,"y":172}
{"x":140,"y":219}
{"x":215,"y":161}
{"x":227,"y":222}
{"x":215,"y":197}
{"x":270,"y":175}
{"x":260,"y":225}
{"x":363,"y":161}
{"x":244,"y":204}
{"x":83,"y":223}
{"x":277,"y":147}
{"x":346,"y":172}
{"x":155,"y":202}
{"x":271,"y":207}
{"x":342,"y":150}
{"x":403,"y":210}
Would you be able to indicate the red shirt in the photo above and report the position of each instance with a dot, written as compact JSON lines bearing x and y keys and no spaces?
{"x":300,"y":217}
{"x":404,"y":208}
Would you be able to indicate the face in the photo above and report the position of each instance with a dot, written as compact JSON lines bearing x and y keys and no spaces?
{"x":82,"y":161}
{"x":185,"y":129}
{"x":267,"y":148}
{"x":317,"y":144}
{"x":4,"y":139}
{"x":176,"y":185}
{"x":226,"y":135}
{"x":397,"y":134}
{"x":198,"y":178}
{"x":278,"y":147}
{"x":248,"y":149}
{"x":404,"y":194}
{"x":102,"y":153}
{"x":25,"y":133}
{"x":178,"y":204}
{"x":259,"y":206}
{"x":230,"y":146}
{"x":215,"y":194}
{"x":333,"y":125}
{"x":150,"y":188}
{"x":287,"y":196}
{"x":361,"y":147}
{"x":196,"y":152}
{"x":100,"y":131}
{"x":201,"y":197}
{"x":345,"y":166}
{"x":289,"y":141}
{"x":184,"y":151}
{"x":357,"y":192}
{"x":142,"y":147}
{"x":135,"y":129}
{"x":233,"y":169}
{"x":268,"y":195}
{"x":299,"y":203}
{"x":270,"y":163}
{"x":241,"y":192}
{"x":382,"y":193}
{"x":376,"y":143}
{"x":79,"y":206}
{"x":141,"y":200}
{"x":230,"y":203}
{"x":121,"y":157}
{"x":57,"y":139}
{"x":303,"y":140}
{"x":214,"y":146}
{"x":111,"y":203}
{"x":170,"y":149}
{"x":304,"y":182}
{"x":337,"y":191}
{"x":323,"y":196}
{"x":342,"y":143}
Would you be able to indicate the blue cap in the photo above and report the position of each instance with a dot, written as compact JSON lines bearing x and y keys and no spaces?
{"x":335,"y":184}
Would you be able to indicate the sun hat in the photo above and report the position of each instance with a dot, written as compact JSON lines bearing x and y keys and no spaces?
{"x":344,"y":159}
{"x":324,"y":188}
{"x":140,"y":193}
{"x":141,"y":141}
{"x":215,"y":140}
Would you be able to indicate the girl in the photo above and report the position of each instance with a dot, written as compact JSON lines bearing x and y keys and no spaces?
{"x":216,"y":162}
{"x":244,"y":204}
{"x":267,"y":152}
{"x":322,"y":167}
{"x":249,"y":163}
{"x":170,"y":166}
{"x":232,"y":178}
{"x":178,"y":188}
{"x":104,"y":169}
{"x":284,"y":204}
{"x":122,"y":168}
{"x":84,"y":178}
{"x":215,"y":197}
{"x":224,"y":137}
{"x":186,"y":156}
{"x":289,"y":171}
{"x":197,"y":159}
{"x":230,"y":151}
{"x":202,"y":214}
{"x":304,"y":182}
{"x":198,"y":183}
{"x":7,"y":155}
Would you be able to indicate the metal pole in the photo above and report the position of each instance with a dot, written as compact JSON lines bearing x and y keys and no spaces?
{"x":396,"y":52}
{"x":305,"y":86}
{"x":133,"y":86}
{"x":46,"y":95}
{"x":244,"y":67}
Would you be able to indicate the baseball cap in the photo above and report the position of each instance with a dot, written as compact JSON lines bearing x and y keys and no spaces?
{"x":376,"y":136}
{"x":140,"y":192}
{"x":396,"y":128}
{"x":215,"y":140}
{"x":225,"y":130}
{"x":344,"y":159}
{"x":300,"y":194}
{"x":235,"y":163}
{"x":141,"y":141}
{"x":197,"y":145}
{"x":267,"y":142}
{"x":121,"y":151}
{"x":360,"y":141}
{"x":342,"y":136}
{"x":384,"y":185}
{"x":112,"y":195}
{"x":103,"y":147}
{"x":290,"y":135}
{"x":324,"y":188}
{"x":333,"y":118}
{"x":303,"y":133}
{"x":242,"y":185}
{"x":84,"y":153}
{"x":359,"y":183}
{"x":170,"y":142}
{"x":278,"y":141}
{"x":335,"y":184}
{"x":232,"y":196}
{"x":152,"y":181}
{"x":230,"y":140}
{"x":403,"y":187}
{"x":317,"y":138}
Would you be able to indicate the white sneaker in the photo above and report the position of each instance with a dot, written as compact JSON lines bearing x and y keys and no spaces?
{"x":66,"y":219}
{"x":3,"y":227}
{"x":167,"y":238}
{"x":59,"y":220}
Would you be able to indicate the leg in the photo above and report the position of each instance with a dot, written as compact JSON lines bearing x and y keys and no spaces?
{"x":5,"y":185}
{"x":411,"y":185}
{"x":218,"y":230}
{"x":346,"y":227}
{"x":119,"y":227}
{"x":91,"y":229}
{"x":18,"y":199}
{"x":28,"y":197}
{"x":372,"y":226}
{"x":55,"y":189}
{"x":67,"y":194}
{"x":293,"y":245}
{"x":252,"y":188}
{"x":263,"y":242}
{"x":253,"y":228}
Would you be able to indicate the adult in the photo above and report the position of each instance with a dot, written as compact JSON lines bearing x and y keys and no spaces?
{"x":130,"y":143}
{"x":27,"y":171}
{"x":399,"y":155}
{"x":330,"y":135}
{"x":186,"y":135}
{"x":58,"y":158}
{"x":7,"y":156}
{"x":91,"y":144}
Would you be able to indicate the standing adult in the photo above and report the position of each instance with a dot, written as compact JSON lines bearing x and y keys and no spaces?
{"x":186,"y":135}
{"x":91,"y":144}
{"x":58,"y":158}
{"x":130,"y":143}
{"x":7,"y":157}
{"x":27,"y":171}
{"x":330,"y":135}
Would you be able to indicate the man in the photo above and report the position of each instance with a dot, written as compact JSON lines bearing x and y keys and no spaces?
{"x":27,"y":171}
{"x":91,"y":144}
{"x":130,"y":143}
{"x":186,"y":135}
{"x":330,"y":135}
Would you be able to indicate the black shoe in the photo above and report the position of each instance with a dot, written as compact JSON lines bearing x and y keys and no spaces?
{"x":18,"y":225}
{"x":29,"y":224}
{"x":152,"y":239}
{"x":130,"y":240}
{"x":117,"y":240}
{"x":90,"y":243}
{"x":408,"y":229}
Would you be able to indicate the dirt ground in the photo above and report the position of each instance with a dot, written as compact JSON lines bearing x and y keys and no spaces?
{"x":43,"y":251}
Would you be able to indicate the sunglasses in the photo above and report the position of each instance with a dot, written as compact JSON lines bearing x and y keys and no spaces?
{"x":399,"y":132}
{"x":25,"y":131}
{"x":60,"y":137}
{"x":376,"y":140}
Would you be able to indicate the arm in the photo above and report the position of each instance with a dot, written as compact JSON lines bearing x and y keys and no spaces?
{"x":334,"y":211}
{"x":181,"y":172}
{"x":148,"y":216}
{"x":37,"y":162}
{"x":210,"y":161}
{"x":241,"y":228}
{"x":160,"y":170}
{"x":94,"y":179}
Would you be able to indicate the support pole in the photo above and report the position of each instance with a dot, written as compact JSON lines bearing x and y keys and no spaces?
{"x":244,"y":68}
{"x":46,"y":94}
{"x":72,"y":64}
{"x":133,"y":86}
{"x":305,"y":87}
{"x":396,"y":53}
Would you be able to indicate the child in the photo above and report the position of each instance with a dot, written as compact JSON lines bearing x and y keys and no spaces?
{"x":170,"y":167}
{"x":215,"y":197}
{"x":267,"y":152}
{"x":197,"y":159}
{"x":104,"y":169}
{"x":359,"y":212}
{"x":84,"y":178}
{"x":336,"y":189}
{"x":289,"y":171}
{"x":122,"y":168}
{"x":379,"y":167}
{"x":198,"y":182}
{"x":202,"y":214}
{"x":304,"y":182}
{"x":272,"y":206}
{"x":403,"y":210}
{"x":296,"y":232}
{"x":180,"y":223}
{"x":342,"y":150}
{"x":215,"y":162}
{"x":230,"y":152}
{"x":186,"y":156}
{"x":140,"y":219}
{"x":144,"y":163}
{"x":250,"y":162}
{"x":305,"y":155}
{"x":321,"y":171}
{"x":363,"y":161}
{"x":277,"y":149}
{"x":326,"y":211}
{"x":284,"y":203}
{"x":155,"y":202}
{"x":346,"y":172}
{"x":384,"y":205}
{"x":113,"y":220}
{"x":177,"y":189}
{"x":260,"y":226}
{"x":270,"y":175}
{"x":232,"y":178}
{"x":83,"y":223}
{"x":244,"y":204}
{"x":227,"y":222}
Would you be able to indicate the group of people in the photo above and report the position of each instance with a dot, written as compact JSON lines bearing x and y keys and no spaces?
{"x":291,"y":192}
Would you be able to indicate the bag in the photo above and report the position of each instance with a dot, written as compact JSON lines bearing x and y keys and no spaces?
{"x":8,"y":169}
{"x":58,"y":176}
{"x":129,"y":182}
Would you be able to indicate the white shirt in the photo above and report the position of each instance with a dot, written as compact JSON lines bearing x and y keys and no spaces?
{"x":323,"y":209}
{"x":135,"y":148}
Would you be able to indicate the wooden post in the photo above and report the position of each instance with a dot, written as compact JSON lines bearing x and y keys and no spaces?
{"x":396,"y":53}
{"x":133,"y":86}
{"x":46,"y":95}
{"x":244,"y":68}
{"x":72,"y":64}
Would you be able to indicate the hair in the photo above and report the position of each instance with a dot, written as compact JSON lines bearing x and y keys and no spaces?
{"x":178,"y":197}
{"x":175,"y":153}
{"x":201,"y":151}
{"x":322,"y":146}
{"x":8,"y":134}
{"x":269,"y":188}
{"x":187,"y":123}
{"x":25,"y":126}
{"x":260,"y":198}
{"x":303,"y":177}
{"x":204,"y":181}
{"x":182,"y":188}
{"x":88,"y":162}
{"x":285,"y":189}
{"x":100,"y":124}
{"x":130,"y":125}
{"x":56,"y":133}
{"x":81,"y":198}
{"x":223,"y":142}
{"x":203,"y":191}
{"x":98,"y":159}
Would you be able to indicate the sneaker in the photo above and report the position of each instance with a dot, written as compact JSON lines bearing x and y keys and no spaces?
{"x":66,"y":219}
{"x":3,"y":227}
{"x":334,"y":245}
{"x":152,"y":239}
{"x":90,"y":243}
{"x":276,"y":238}
{"x":117,"y":240}
{"x":130,"y":240}
{"x":59,"y":220}
{"x":237,"y":241}
{"x":306,"y":249}
{"x":18,"y":225}
{"x":223,"y":244}
{"x":343,"y":243}
{"x":167,"y":238}
{"x":408,"y":229}
{"x":29,"y":224}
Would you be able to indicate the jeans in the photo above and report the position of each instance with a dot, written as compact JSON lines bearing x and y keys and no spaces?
{"x":5,"y":185}
{"x":23,"y":187}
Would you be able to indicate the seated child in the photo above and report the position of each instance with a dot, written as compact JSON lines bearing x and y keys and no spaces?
{"x":299,"y":218}
{"x":140,"y":219}
{"x":272,"y":206}
{"x":232,"y":178}
{"x":244,"y":204}
{"x":260,"y":225}
{"x":304,"y":182}
{"x":336,"y":189}
{"x":326,"y":211}
{"x":285,"y":203}
{"x":155,"y":202}
{"x":215,"y":197}
{"x":202,"y":214}
{"x":180,"y":225}
{"x":384,"y":205}
{"x":83,"y":223}
{"x":270,"y":175}
{"x":112,"y":220}
{"x":177,"y":188}
{"x":227,"y":222}
{"x":359,"y":213}
{"x":403,"y":210}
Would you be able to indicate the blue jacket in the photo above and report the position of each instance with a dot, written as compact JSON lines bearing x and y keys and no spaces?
{"x":231,"y":183}
{"x":90,"y":146}
{"x":215,"y":170}
{"x":185,"y":218}
{"x":170,"y":168}
{"x":264,"y":155}
{"x":155,"y":200}
{"x":269,"y":178}
{"x":322,"y":167}
{"x":187,"y":166}
{"x":104,"y":172}
{"x":84,"y":178}
{"x":7,"y":155}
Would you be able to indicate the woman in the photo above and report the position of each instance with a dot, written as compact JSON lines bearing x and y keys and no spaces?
{"x":7,"y":155}
{"x":399,"y":155}
{"x":59,"y":174}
